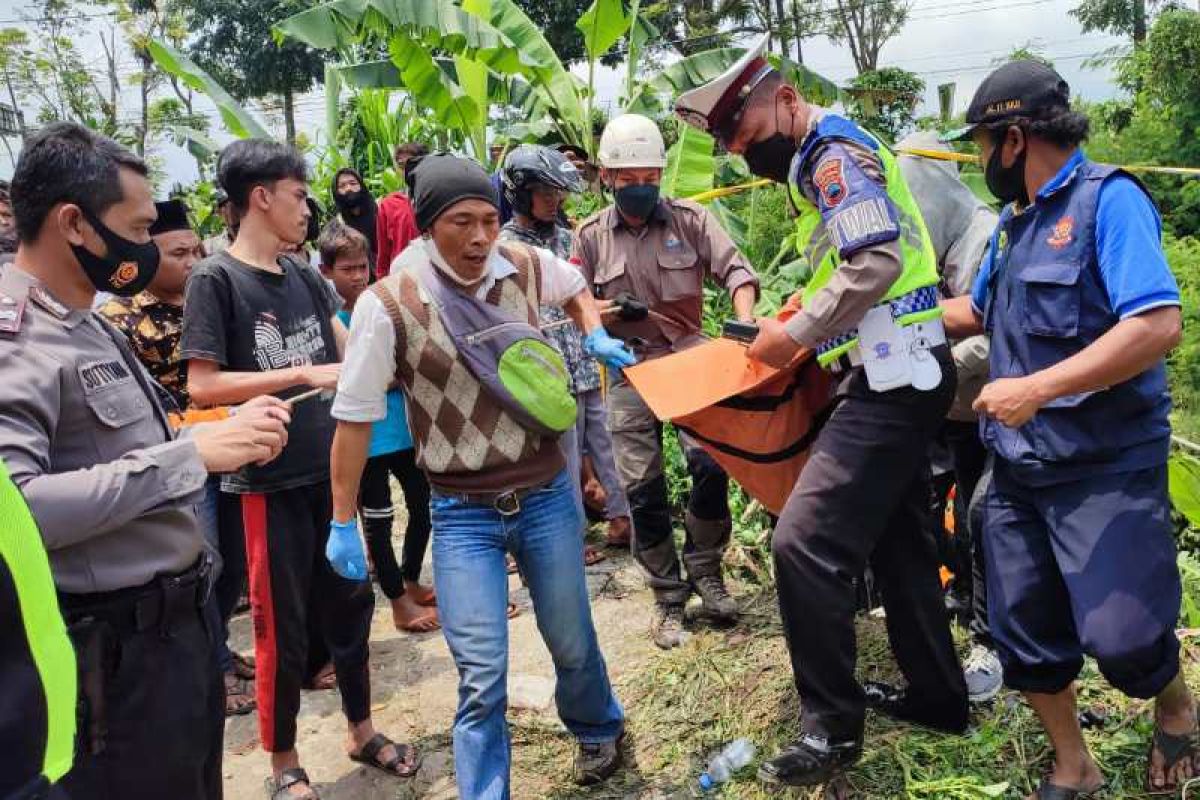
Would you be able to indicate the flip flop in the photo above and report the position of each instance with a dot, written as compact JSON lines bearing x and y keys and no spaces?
{"x":592,"y":556}
{"x":513,"y":611}
{"x":404,"y":764}
{"x":1052,"y":791}
{"x":239,"y":692}
{"x":426,"y":624}
{"x":279,"y":790}
{"x":324,"y":681}
{"x":243,"y":666}
{"x":1174,"y":747}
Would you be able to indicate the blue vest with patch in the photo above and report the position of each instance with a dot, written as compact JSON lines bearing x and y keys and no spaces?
{"x":1046,"y":302}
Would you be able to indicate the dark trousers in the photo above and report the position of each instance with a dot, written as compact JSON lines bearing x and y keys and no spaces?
{"x":290,"y":582}
{"x":862,"y":499}
{"x":980,"y":627}
{"x":165,"y":718}
{"x":375,"y":497}
{"x":1084,"y":567}
{"x":963,"y":552}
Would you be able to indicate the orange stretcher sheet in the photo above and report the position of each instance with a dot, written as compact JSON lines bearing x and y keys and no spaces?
{"x":756,"y":421}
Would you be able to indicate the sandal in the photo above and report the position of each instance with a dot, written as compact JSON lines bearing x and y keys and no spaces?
{"x":1174,"y":748}
{"x":513,"y":611}
{"x":324,"y":681}
{"x":1052,"y":791}
{"x":239,"y":695}
{"x":592,"y":556}
{"x":280,"y":790}
{"x":404,"y":764}
{"x":243,"y":666}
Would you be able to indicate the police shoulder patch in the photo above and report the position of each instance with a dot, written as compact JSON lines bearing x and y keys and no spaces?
{"x":11,"y":312}
{"x":42,"y":296}
{"x":830,"y":180}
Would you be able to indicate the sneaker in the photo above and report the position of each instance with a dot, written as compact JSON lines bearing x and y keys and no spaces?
{"x":667,"y":628}
{"x":596,"y":762}
{"x":715,"y":596}
{"x":809,"y":761}
{"x":983,"y":674}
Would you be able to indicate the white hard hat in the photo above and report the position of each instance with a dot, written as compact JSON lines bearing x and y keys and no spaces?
{"x":632,"y":140}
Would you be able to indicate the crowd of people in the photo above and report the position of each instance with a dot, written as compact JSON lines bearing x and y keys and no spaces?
{"x":182,"y":420}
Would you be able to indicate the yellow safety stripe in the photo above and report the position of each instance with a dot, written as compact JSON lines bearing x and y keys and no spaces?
{"x":22,"y":550}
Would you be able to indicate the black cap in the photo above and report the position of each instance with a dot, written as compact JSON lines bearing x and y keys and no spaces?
{"x":172,"y":216}
{"x":1025,"y":89}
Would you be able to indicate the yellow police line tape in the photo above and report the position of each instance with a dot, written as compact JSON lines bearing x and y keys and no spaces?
{"x":937,"y":155}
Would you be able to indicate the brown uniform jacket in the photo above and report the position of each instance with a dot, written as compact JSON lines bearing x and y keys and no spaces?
{"x":663,"y":264}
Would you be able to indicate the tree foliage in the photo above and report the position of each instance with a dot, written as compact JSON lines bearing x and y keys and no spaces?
{"x":865,"y":26}
{"x":232,"y":42}
{"x":884,"y":100}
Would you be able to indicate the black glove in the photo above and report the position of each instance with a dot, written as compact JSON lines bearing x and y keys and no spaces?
{"x":631,"y":309}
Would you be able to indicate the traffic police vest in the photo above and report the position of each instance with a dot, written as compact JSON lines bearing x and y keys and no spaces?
{"x":1046,"y":301}
{"x":913,"y":297}
{"x":37,"y":661}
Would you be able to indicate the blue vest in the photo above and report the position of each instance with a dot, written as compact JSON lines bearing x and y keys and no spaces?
{"x":1046,"y":302}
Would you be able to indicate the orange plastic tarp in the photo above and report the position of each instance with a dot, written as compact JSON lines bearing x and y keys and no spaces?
{"x":756,"y":421}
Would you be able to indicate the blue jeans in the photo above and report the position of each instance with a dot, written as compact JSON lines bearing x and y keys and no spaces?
{"x":546,"y":538}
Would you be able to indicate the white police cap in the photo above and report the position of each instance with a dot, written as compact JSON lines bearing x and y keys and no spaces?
{"x":714,"y":105}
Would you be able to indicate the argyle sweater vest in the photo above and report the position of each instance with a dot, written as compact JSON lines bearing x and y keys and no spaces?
{"x":464,"y":441}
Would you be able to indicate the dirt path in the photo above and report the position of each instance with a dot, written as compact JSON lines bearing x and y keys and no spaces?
{"x":415,"y":692}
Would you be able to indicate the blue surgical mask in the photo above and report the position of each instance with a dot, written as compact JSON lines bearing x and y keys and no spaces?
{"x":637,"y":202}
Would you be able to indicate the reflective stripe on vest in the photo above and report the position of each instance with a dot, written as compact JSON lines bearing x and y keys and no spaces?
{"x":25,"y":557}
{"x":919,"y":268}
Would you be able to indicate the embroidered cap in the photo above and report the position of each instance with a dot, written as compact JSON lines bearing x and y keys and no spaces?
{"x":1027,"y":89}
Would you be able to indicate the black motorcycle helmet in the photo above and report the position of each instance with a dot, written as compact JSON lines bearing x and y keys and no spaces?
{"x":530,"y":164}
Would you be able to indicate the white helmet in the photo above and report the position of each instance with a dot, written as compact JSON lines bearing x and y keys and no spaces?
{"x":632,"y":140}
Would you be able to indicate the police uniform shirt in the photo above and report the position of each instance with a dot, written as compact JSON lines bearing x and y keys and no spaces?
{"x":85,"y":438}
{"x":663,"y":264}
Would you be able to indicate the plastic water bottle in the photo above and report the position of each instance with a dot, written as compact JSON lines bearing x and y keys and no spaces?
{"x":736,"y":755}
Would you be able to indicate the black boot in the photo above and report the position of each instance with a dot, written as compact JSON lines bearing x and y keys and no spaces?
{"x":900,"y":704}
{"x":810,"y":760}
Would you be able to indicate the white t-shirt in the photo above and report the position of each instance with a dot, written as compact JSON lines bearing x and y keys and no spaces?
{"x":370,"y":361}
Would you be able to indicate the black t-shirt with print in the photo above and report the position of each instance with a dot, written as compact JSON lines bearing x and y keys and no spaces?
{"x":250,"y":320}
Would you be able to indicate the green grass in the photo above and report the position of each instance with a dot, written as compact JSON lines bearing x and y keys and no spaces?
{"x":685,"y":704}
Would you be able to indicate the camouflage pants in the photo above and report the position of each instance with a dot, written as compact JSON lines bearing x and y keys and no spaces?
{"x":637,"y":443}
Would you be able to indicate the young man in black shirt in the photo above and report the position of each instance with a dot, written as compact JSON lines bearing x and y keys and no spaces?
{"x":259,"y":322}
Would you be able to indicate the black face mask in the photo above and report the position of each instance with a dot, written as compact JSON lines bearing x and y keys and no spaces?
{"x":772,"y":157}
{"x":637,"y":202}
{"x":1007,"y":183}
{"x":125,"y":269}
{"x":352,"y":201}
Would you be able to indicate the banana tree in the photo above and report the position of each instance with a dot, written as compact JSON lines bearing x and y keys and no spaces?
{"x":240,"y":121}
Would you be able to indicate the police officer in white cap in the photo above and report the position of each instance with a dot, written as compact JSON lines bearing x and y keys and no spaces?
{"x":870,"y":311}
{"x":660,"y":251}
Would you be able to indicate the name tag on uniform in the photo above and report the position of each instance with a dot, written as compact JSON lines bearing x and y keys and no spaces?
{"x":96,"y":375}
{"x":884,"y":350}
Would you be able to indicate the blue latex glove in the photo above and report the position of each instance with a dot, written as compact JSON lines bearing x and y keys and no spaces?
{"x":345,"y":550}
{"x":613,"y":352}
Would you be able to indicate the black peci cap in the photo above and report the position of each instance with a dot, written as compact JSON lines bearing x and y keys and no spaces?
{"x":1026,"y":89}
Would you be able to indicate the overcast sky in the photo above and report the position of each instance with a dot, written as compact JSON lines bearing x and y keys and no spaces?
{"x":944,"y":41}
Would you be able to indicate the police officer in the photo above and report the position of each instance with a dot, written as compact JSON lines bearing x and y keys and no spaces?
{"x":660,"y":251}
{"x":1081,"y":308}
{"x":85,"y":437}
{"x":870,"y":311}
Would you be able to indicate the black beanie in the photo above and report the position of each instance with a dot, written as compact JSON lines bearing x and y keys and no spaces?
{"x":441,"y":180}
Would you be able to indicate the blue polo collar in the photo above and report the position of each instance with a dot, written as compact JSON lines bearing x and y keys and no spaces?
{"x":1063,"y":176}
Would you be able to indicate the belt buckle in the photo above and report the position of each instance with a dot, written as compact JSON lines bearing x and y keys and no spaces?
{"x":507,"y":504}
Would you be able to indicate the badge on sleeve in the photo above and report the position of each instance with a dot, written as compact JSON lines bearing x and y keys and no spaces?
{"x":830,"y":181}
{"x":11,"y":312}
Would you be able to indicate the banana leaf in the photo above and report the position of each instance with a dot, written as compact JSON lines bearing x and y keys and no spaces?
{"x":1183,"y":475}
{"x":690,"y":164}
{"x":558,"y":89}
{"x":432,"y":23}
{"x":641,"y":30}
{"x":240,"y":122}
{"x":429,"y":86}
{"x":602,"y":26}
{"x":473,"y":78}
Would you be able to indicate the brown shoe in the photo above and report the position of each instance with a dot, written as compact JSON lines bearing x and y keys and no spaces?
{"x":596,"y":762}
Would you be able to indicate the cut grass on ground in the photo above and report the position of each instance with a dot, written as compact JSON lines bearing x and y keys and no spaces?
{"x":685,"y":704}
